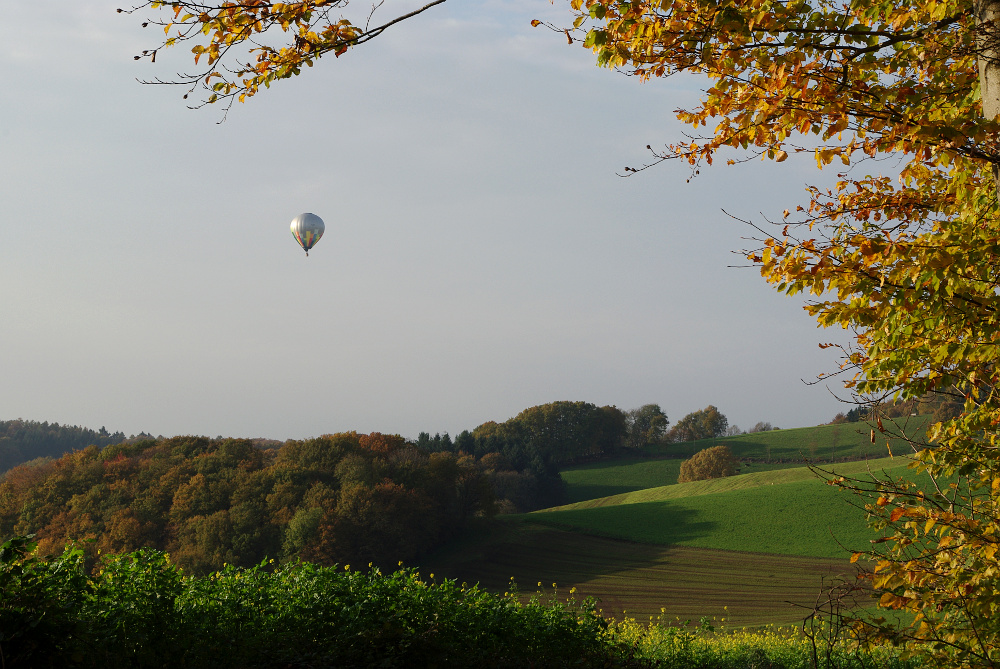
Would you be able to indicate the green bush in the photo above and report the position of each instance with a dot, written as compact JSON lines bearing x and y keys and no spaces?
{"x":710,"y":463}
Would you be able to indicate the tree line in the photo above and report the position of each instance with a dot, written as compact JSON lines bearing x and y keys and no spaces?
{"x":541,"y":437}
{"x":573,"y":432}
{"x":340,"y":498}
{"x":24,"y":440}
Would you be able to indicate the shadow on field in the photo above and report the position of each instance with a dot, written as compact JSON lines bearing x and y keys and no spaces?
{"x":531,"y":553}
{"x":636,"y":579}
{"x":643,"y":521}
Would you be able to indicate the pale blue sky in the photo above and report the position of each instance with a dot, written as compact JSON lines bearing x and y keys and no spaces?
{"x":481,"y":255}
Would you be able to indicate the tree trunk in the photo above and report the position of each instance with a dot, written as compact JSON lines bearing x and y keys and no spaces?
{"x":988,"y":46}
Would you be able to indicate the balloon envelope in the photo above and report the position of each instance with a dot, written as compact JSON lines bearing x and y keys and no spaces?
{"x":307,"y":229}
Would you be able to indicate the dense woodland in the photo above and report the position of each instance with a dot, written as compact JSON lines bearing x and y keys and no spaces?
{"x":341,"y":498}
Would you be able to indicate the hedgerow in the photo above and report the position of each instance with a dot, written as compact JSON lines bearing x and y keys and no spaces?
{"x":140,"y":610}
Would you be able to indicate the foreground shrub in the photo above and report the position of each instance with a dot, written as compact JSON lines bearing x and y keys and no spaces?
{"x":710,"y":463}
{"x":139,"y":610}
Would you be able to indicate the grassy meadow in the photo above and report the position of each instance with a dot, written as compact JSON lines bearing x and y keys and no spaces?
{"x":787,"y":512}
{"x":822,"y":443}
{"x":758,"y":452}
{"x":605,"y":479}
{"x":807,"y":518}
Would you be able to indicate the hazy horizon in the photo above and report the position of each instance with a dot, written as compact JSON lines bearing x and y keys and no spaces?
{"x":481,"y":254}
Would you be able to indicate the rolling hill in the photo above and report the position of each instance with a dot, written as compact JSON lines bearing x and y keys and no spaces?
{"x":789,"y":512}
{"x":760,"y":451}
{"x":822,"y":443}
{"x":611,"y":478}
{"x":762,"y":544}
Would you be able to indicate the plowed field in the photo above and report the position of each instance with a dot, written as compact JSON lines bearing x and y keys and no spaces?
{"x":641,"y":579}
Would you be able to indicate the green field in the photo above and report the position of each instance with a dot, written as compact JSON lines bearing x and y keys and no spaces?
{"x":639,"y":580}
{"x":779,"y":474}
{"x":603,"y":479}
{"x":788,"y":512}
{"x":761,"y":451}
{"x":823,"y":443}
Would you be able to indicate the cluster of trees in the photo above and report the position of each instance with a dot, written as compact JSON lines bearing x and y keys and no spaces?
{"x":26,"y":440}
{"x":347,"y":497}
{"x":853,"y":416}
{"x":560,"y":432}
{"x":523,"y":454}
{"x":563,"y":433}
{"x":709,"y":423}
{"x":645,"y":425}
{"x":759,"y":426}
{"x":706,"y":423}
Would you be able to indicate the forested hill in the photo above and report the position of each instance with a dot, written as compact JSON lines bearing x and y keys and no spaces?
{"x":26,"y":440}
{"x":345,"y":498}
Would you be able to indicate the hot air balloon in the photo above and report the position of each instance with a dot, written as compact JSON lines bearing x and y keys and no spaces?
{"x":307,"y":229}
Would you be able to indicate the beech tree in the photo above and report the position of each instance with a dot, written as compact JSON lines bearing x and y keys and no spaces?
{"x":909,"y":265}
{"x":234,"y":58}
{"x":907,"y":261}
